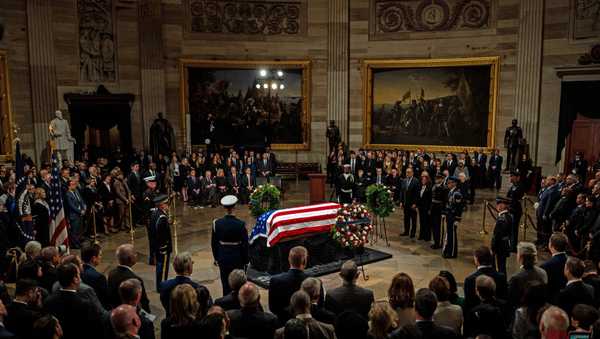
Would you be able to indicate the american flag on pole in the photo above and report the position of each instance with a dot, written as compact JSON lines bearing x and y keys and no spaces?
{"x":58,"y":222}
{"x":290,"y":222}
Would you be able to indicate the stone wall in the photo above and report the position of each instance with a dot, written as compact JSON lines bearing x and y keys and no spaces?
{"x":332,"y":29}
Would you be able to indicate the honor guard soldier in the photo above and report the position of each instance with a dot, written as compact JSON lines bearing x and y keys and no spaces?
{"x":161,"y":231}
{"x":453,"y":214}
{"x":501,"y":238}
{"x":439,"y":196}
{"x":148,"y":206}
{"x":515,"y":194}
{"x":345,"y":185}
{"x":229,"y":242}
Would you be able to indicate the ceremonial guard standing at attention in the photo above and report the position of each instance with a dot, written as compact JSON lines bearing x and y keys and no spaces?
{"x":159,"y":222}
{"x":229,"y":242}
{"x":501,"y":238}
{"x":453,"y":214}
{"x":515,"y":194}
{"x":148,"y":204}
{"x":345,"y":185}
{"x":439,"y":196}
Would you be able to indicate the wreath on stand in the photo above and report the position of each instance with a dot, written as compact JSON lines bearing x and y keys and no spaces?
{"x":263,"y":199}
{"x":352,"y":227}
{"x":380,"y":201}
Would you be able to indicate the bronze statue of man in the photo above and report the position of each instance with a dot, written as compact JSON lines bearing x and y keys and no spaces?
{"x":333,"y":135}
{"x":162,"y":137}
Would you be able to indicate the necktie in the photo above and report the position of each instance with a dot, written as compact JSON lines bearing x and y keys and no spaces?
{"x":234,"y":180}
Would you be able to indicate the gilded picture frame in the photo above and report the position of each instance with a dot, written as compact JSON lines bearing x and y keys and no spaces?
{"x":304,"y":66}
{"x":372,"y":66}
{"x":6,"y":121}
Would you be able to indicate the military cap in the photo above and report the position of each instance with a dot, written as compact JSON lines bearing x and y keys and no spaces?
{"x":503,"y":200}
{"x":229,"y":200}
{"x":150,"y":178}
{"x":161,"y":199}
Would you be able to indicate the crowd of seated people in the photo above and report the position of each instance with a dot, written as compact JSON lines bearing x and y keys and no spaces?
{"x":65,"y":296}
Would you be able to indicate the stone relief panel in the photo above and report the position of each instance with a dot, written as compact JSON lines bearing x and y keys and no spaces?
{"x":392,"y":18}
{"x":585,"y":19}
{"x":97,"y":54}
{"x":251,"y":18}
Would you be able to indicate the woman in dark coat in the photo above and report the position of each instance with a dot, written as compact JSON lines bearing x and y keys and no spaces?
{"x":41,"y":217}
{"x":424,"y":206}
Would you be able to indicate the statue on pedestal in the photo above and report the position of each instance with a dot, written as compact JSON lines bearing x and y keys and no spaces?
{"x":333,"y":135}
{"x":513,"y":139}
{"x":162,"y":137}
{"x":61,"y":138}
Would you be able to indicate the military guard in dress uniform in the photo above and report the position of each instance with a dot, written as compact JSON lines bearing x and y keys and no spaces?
{"x":501,"y":238}
{"x":515,"y":194}
{"x":229,"y":242}
{"x":439,"y":197}
{"x":163,"y":244}
{"x":453,"y":214}
{"x":345,"y":186}
{"x":147,"y":206}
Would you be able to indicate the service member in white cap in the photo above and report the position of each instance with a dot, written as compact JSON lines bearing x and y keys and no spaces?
{"x":159,"y":235}
{"x":147,"y":205}
{"x":229,"y":242}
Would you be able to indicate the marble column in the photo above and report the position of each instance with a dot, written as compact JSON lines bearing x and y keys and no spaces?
{"x":44,"y":97}
{"x":338,"y":63}
{"x":152,"y":83}
{"x":528,"y":71}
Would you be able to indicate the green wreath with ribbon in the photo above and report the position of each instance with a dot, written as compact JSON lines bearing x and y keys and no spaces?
{"x":263,"y":199}
{"x":380,"y":201}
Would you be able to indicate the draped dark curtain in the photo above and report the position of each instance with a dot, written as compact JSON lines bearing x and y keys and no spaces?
{"x":577,"y":97}
{"x":101,"y":112}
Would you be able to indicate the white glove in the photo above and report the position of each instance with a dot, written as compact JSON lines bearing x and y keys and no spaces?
{"x":536,"y":205}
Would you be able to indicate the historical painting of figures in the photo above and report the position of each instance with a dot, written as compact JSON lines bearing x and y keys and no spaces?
{"x":247,"y":103}
{"x":439,"y":104}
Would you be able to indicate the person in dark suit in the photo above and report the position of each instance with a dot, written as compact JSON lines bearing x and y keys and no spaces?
{"x":378,"y":177}
{"x":547,"y":200}
{"x":394,"y":183}
{"x":229,"y":242}
{"x":495,"y":169}
{"x":209,"y":189}
{"x":482,"y":256}
{"x":515,"y":194}
{"x":160,"y":224}
{"x":265,"y":166}
{"x":349,"y":296}
{"x":91,"y":256}
{"x":183,"y":266}
{"x":283,"y":285}
{"x":490,"y":317}
{"x":234,"y":182}
{"x":127,"y":258}
{"x":300,"y":305}
{"x":237,"y":278}
{"x":4,"y":333}
{"x":313,"y":287}
{"x":424,"y":206}
{"x":249,"y":321}
{"x":25,"y":309}
{"x":591,"y":277}
{"x":75,"y":206}
{"x":528,"y":275}
{"x":501,"y":237}
{"x":194,"y":188}
{"x":76,"y":315}
{"x":130,"y":292}
{"x":424,"y":328}
{"x":248,"y":182}
{"x":555,"y":266}
{"x":576,"y":291}
{"x":408,"y":201}
{"x":450,"y":163}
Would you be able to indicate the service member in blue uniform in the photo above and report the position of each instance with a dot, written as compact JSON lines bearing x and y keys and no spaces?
{"x":453,"y":214}
{"x":229,"y":242}
{"x":439,"y":196}
{"x":515,"y":194}
{"x":501,"y":238}
{"x":163,"y":244}
{"x":148,"y":206}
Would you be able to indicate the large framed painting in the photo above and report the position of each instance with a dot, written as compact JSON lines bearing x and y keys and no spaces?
{"x":437,"y":104}
{"x":251,"y":103}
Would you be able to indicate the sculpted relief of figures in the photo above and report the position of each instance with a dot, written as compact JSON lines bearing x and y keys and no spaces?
{"x":251,"y":18}
{"x":405,"y":16}
{"x":97,"y":55}
{"x":585,"y":21}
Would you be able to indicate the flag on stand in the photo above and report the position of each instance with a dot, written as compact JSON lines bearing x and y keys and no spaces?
{"x":58,"y":222}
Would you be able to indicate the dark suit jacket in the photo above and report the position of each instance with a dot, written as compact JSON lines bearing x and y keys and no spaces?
{"x":115,"y":278}
{"x":229,"y":302}
{"x":594,"y":281}
{"x":316,"y":330}
{"x":281,"y":288}
{"x":349,"y":298}
{"x":424,"y":330}
{"x":97,"y":281}
{"x":410,"y":192}
{"x":167,"y":286}
{"x":5,"y":334}
{"x":190,"y":331}
{"x":555,"y":267}
{"x":252,"y":323}
{"x":575,"y":293}
{"x":77,"y":316}
{"x":471,"y":298}
{"x":20,"y":319}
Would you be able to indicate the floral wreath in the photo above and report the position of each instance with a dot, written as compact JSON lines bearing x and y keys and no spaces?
{"x":353,"y":226}
{"x":263,"y":199}
{"x":380,"y":201}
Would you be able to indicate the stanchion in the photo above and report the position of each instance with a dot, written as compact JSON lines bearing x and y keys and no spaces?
{"x":174,"y":223}
{"x":131,"y":229}
{"x":387,"y":243}
{"x":95,"y":236}
{"x":525,"y":215}
{"x":483,"y":231}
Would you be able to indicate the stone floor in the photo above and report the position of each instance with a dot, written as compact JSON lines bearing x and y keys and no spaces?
{"x":410,"y":256}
